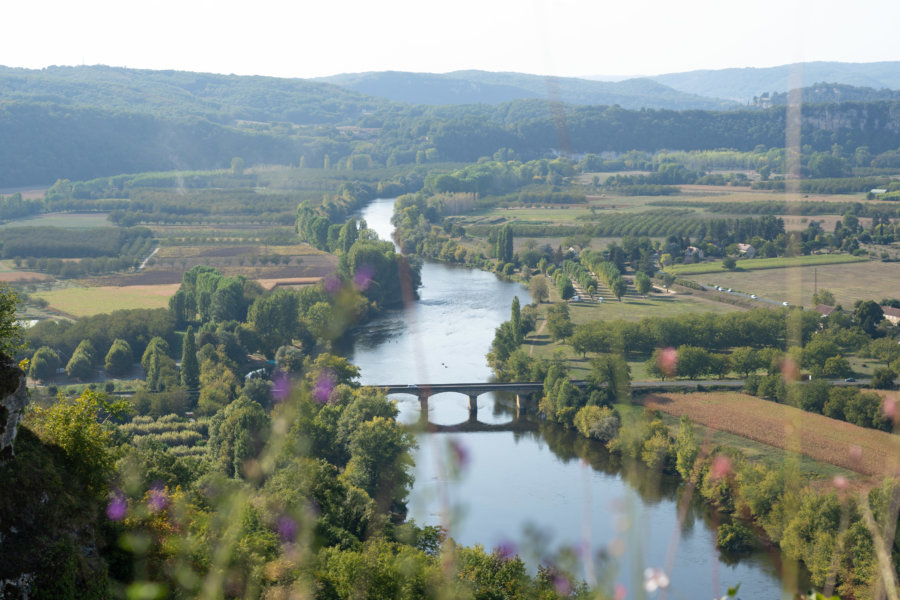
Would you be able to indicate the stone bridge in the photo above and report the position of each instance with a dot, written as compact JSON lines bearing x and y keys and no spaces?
{"x":423,"y":391}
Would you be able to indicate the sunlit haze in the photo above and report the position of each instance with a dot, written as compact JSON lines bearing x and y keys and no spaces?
{"x":555,"y":37}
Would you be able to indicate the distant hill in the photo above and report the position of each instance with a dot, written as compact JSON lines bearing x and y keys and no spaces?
{"x":182,"y":94}
{"x":832,"y":93}
{"x":742,"y":85}
{"x":483,"y":87}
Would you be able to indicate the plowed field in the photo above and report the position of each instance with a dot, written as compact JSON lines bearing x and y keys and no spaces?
{"x":838,"y":443}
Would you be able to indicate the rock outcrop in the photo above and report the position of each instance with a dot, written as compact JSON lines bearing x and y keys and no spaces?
{"x":13,"y":399}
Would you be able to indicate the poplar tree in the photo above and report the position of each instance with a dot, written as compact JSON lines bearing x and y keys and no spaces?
{"x":516,"y":320}
{"x":190,"y":370}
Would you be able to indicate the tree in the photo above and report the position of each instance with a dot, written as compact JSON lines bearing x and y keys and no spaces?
{"x":237,"y":165}
{"x":504,"y":245}
{"x":516,"y":320}
{"x":275,"y":318}
{"x":538,"y":288}
{"x":119,"y":358}
{"x":75,"y":426}
{"x":236,"y":433}
{"x":823,"y":297}
{"x":11,"y":332}
{"x":190,"y":368}
{"x":43,"y":364}
{"x":868,"y":314}
{"x":642,"y":283}
{"x":558,"y":321}
{"x":81,"y":365}
{"x":883,"y":379}
{"x":692,"y":361}
{"x":729,"y":263}
{"x":686,"y":448}
{"x":618,"y":288}
{"x":380,"y":461}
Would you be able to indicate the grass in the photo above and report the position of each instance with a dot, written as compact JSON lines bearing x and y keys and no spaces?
{"x":632,"y":308}
{"x":87,"y":301}
{"x":848,"y":282}
{"x":858,"y":449}
{"x":757,"y":264}
{"x":63,"y":220}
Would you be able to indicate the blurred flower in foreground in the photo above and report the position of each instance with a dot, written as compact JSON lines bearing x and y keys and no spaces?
{"x":655,"y":579}
{"x":506,"y":550}
{"x":667,"y":361}
{"x":157,"y":499}
{"x":621,"y":592}
{"x":363,"y":277}
{"x":332,"y":283}
{"x":840,"y":482}
{"x":459,"y":454}
{"x":281,"y":386}
{"x":287,"y":529}
{"x":117,"y":507}
{"x":721,"y":467}
{"x":889,"y":408}
{"x":324,"y":386}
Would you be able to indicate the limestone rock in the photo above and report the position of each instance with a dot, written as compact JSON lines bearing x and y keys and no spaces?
{"x":13,"y":399}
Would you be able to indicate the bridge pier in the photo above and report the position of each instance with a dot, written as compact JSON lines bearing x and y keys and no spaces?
{"x":473,"y":407}
{"x":423,"y":408}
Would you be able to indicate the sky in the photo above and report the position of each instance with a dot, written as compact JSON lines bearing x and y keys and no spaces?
{"x":303,"y":38}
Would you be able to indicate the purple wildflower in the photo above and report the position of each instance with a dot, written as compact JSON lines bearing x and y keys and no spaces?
{"x":332,"y":284}
{"x":363,"y":277}
{"x":506,"y":550}
{"x":117,"y":507}
{"x":287,"y":529}
{"x":281,"y":386}
{"x":460,"y":454}
{"x":324,"y":386}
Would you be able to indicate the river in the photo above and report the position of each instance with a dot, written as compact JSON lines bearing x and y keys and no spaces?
{"x":532,"y":487}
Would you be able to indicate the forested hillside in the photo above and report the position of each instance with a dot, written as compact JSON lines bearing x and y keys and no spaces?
{"x":184,"y":121}
{"x":483,"y":87}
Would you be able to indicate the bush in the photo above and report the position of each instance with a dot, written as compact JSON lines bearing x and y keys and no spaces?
{"x":734,"y":537}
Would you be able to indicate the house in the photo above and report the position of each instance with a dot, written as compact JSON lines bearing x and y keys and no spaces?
{"x":891,"y":314}
{"x":747,"y":250}
{"x":824,"y":309}
{"x":692,"y":254}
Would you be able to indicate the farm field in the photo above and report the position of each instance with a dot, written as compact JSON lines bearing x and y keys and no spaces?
{"x":848,"y":282}
{"x":865,"y":451}
{"x":756,"y":264}
{"x":709,"y":438}
{"x":63,"y":220}
{"x":87,"y":301}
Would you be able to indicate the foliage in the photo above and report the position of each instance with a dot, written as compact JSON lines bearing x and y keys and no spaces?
{"x":119,"y":359}
{"x":74,"y":425}
{"x":11,"y":333}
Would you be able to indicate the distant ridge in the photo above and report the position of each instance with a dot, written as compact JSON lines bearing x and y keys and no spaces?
{"x":484,"y":87}
{"x":741,"y":85}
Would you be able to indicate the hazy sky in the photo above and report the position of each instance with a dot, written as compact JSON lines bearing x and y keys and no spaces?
{"x":301,"y":38}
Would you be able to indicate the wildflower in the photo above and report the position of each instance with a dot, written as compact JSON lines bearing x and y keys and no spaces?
{"x":363,"y":277}
{"x":655,"y":579}
{"x":117,"y":507}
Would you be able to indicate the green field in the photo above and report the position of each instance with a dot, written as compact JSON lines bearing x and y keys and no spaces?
{"x":756,"y":264}
{"x":64,"y":221}
{"x":86,"y":301}
{"x":848,"y":282}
